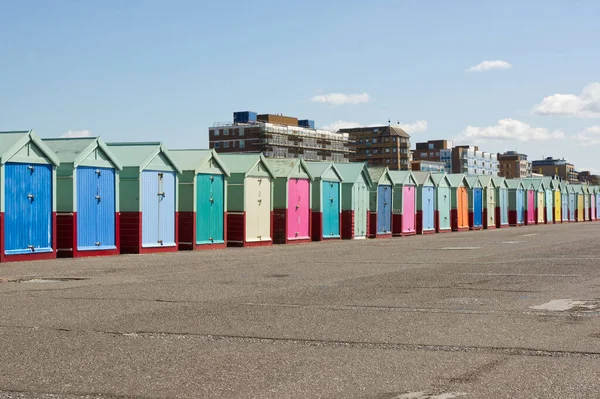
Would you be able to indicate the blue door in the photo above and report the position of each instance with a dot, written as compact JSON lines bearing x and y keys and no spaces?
{"x":572,"y":207}
{"x":209,"y":209}
{"x":503,"y":206}
{"x":95,"y":208}
{"x":520,"y":209}
{"x":428,"y":208}
{"x":564,"y":207}
{"x":28,"y":208}
{"x":331,"y":209}
{"x":477,"y":206}
{"x":384,"y":209}
{"x":158,"y":208}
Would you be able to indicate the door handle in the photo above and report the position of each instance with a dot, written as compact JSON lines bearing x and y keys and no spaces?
{"x":98,"y":198}
{"x":97,"y":243}
{"x":31,"y":248}
{"x":161,"y":193}
{"x":30,"y":197}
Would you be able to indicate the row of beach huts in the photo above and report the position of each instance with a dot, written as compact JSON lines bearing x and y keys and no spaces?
{"x":75,"y":197}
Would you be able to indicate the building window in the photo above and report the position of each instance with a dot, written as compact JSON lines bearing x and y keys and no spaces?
{"x":226,"y":144}
{"x":360,"y":141}
{"x":424,"y":154}
{"x":386,"y":140}
{"x":242,"y":144}
{"x":394,"y":150}
{"x":395,"y":160}
{"x":226,"y":132}
{"x":374,"y":141}
{"x":241,"y":132}
{"x":235,"y":131}
{"x":387,"y":150}
{"x":217,"y":145}
{"x":387,"y":161}
{"x":394,"y":139}
{"x":220,"y":132}
{"x":374,"y":150}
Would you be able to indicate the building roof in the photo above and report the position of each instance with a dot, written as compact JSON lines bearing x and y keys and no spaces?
{"x":12,"y":142}
{"x":499,"y":181}
{"x":422,"y":177}
{"x":244,"y":163}
{"x":386,"y":130}
{"x":457,"y":180}
{"x":352,"y":170}
{"x":318,"y":169}
{"x":287,"y":167}
{"x":403,"y":177}
{"x":140,"y":154}
{"x":438,"y":177}
{"x":195,"y":160}
{"x":474,"y":181}
{"x":76,"y":150}
{"x":515,"y":183}
{"x":487,"y":180}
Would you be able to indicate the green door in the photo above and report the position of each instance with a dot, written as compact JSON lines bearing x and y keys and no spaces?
{"x":209,"y":209}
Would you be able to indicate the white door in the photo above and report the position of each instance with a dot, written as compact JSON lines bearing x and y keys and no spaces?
{"x":258,"y":209}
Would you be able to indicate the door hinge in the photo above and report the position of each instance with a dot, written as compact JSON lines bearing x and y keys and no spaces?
{"x":98,"y":243}
{"x":30,"y":197}
{"x":31,"y":168}
{"x":160,"y":242}
{"x":98,"y":172}
{"x":31,"y":248}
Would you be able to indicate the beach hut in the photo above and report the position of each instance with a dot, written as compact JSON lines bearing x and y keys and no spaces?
{"x":148,"y":191}
{"x":442,"y":202}
{"x":489,"y":201}
{"x":355,"y":199}
{"x":516,"y":207}
{"x":556,"y":201}
{"x":326,"y":189}
{"x":501,"y":202}
{"x":572,"y":204}
{"x":539,"y":191}
{"x":529,"y":201}
{"x":27,"y":197}
{"x":291,"y":201}
{"x":597,"y":190}
{"x":202,"y":199}
{"x":425,"y":203}
{"x":587,"y":203}
{"x":459,"y":213}
{"x":380,"y":203}
{"x":579,"y":203}
{"x":249,"y":200}
{"x":404,"y":216}
{"x":594,"y":203}
{"x":87,"y":197}
{"x":475,"y":191}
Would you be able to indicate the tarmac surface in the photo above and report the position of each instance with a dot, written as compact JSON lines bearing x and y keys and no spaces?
{"x":511,"y":313}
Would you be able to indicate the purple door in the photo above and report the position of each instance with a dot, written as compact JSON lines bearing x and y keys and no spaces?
{"x":530,"y":206}
{"x":408,"y":209}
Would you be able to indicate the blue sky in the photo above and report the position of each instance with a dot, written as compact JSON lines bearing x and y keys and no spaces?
{"x":155,"y":70}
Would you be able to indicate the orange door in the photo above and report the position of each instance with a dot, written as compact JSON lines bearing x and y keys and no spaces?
{"x":463,"y":207}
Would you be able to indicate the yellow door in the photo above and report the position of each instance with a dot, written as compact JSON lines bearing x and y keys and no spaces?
{"x":557,"y":206}
{"x":580,"y":207}
{"x":540,"y":206}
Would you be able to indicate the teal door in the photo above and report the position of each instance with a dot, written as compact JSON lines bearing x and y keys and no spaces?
{"x":331,"y":209}
{"x":443,"y":207}
{"x":209,"y":209}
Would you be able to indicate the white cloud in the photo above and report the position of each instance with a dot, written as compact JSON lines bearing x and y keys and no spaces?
{"x":509,"y":130}
{"x":412,"y":128}
{"x":76,"y":133}
{"x":337,"y":125}
{"x":341,"y":98}
{"x":489,"y":65}
{"x":589,"y":136}
{"x":586,"y":105}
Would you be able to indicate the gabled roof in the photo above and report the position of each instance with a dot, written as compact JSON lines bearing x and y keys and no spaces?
{"x":12,"y":142}
{"x":76,"y":150}
{"x":285,"y":167}
{"x":379,"y":173}
{"x":515,"y":183}
{"x":245,"y":163}
{"x":538,"y":184}
{"x":439,"y":177}
{"x":140,"y":154}
{"x":352,"y":170}
{"x":487,"y":181}
{"x":577,"y":188}
{"x":457,"y":180}
{"x":400,"y":177}
{"x":423,"y":178}
{"x":319,"y":169}
{"x":195,"y":160}
{"x":474,"y":182}
{"x":499,"y":181}
{"x":527,"y":184}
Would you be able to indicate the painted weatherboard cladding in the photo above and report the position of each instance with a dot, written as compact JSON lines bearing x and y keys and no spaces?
{"x":443,"y":207}
{"x":158,"y":208}
{"x":384,"y":209}
{"x":503,"y":196}
{"x":257,"y":199}
{"x":28,"y":227}
{"x":477,"y":206}
{"x":210,"y":201}
{"x":427,"y":207}
{"x":361,"y":207}
{"x":408,"y":209}
{"x":356,"y":183}
{"x":96,"y":204}
{"x":331,"y":209}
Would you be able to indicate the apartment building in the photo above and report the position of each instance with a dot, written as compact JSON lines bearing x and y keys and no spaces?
{"x":514,"y":165}
{"x":427,"y":166}
{"x":588,"y":177}
{"x":470,"y":160}
{"x":558,"y":168}
{"x":278,"y":136}
{"x":380,"y":145}
{"x":435,"y":151}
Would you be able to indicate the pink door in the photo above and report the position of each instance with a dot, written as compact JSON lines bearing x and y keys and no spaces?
{"x":530,"y":206}
{"x":298,"y":209}
{"x":408,"y":209}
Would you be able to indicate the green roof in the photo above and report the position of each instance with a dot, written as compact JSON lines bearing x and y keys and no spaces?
{"x":486,"y":180}
{"x":318,"y":169}
{"x":422,"y":177}
{"x":12,"y":142}
{"x":499,"y":181}
{"x":437,"y":178}
{"x":403,"y":177}
{"x":244,"y":163}
{"x":75,"y":150}
{"x":473,"y":181}
{"x":352,"y":170}
{"x":286,"y":167}
{"x":456,"y":179}
{"x":140,"y":154}
{"x":514,"y":183}
{"x":195,"y":159}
